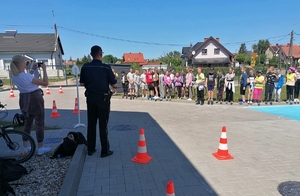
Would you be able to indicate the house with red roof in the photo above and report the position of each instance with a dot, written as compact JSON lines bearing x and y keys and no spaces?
{"x":209,"y":53}
{"x":134,"y":58}
{"x":285,"y":51}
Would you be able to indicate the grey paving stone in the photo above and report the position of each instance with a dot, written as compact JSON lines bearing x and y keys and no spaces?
{"x":265,"y":148}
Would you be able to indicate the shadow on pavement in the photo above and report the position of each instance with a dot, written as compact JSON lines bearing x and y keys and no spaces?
{"x":118,"y":174}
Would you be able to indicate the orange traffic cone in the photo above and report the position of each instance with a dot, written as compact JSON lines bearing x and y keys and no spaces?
{"x":55,"y":113}
{"x":60,"y":90}
{"x":222,"y":153}
{"x":48,"y":91}
{"x":142,"y":154}
{"x":76,"y":110}
{"x":11,"y":95}
{"x":170,"y":189}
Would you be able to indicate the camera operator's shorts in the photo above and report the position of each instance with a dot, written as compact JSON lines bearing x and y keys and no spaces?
{"x":242,"y":91}
{"x":210,"y":87}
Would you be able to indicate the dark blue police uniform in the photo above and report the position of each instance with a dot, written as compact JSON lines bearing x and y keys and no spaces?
{"x":97,"y":77}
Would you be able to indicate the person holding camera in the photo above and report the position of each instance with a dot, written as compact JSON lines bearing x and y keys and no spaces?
{"x":96,"y":78}
{"x":31,"y":99}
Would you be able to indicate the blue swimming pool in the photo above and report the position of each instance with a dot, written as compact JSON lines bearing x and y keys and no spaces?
{"x":289,"y":111}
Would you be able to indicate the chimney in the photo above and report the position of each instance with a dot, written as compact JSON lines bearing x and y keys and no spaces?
{"x":205,"y":39}
{"x":191,"y":44}
{"x":218,"y":39}
{"x":277,"y":44}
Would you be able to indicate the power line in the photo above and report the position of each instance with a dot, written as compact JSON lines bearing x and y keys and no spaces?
{"x":119,"y":39}
{"x":135,"y":41}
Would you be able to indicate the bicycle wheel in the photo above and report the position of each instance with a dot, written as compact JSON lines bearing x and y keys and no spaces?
{"x":3,"y":113}
{"x":14,"y":146}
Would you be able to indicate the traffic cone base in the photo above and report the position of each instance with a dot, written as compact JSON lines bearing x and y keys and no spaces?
{"x":76,"y":107}
{"x":144,"y":159}
{"x":48,"y":91}
{"x":55,"y":113}
{"x":142,"y":154}
{"x":11,"y":93}
{"x":228,"y":157}
{"x":60,"y":90}
{"x":222,"y":153}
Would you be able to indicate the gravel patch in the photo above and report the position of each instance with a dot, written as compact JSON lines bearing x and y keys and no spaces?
{"x":46,"y":178}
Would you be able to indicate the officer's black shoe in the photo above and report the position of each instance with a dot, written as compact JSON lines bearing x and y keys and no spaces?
{"x":107,"y":154}
{"x":198,"y":102}
{"x":90,"y":153}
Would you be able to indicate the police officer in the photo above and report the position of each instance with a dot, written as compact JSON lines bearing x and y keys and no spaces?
{"x":96,"y":78}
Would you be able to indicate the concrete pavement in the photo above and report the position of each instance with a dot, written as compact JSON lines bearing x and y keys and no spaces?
{"x":181,"y":137}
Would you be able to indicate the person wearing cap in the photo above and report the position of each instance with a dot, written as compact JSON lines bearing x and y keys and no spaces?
{"x":31,"y":100}
{"x":290,"y":84}
{"x":211,"y":83}
{"x":297,"y":86}
{"x":259,"y":85}
{"x":96,"y":77}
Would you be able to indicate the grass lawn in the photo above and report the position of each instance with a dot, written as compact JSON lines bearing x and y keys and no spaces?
{"x":20,"y":128}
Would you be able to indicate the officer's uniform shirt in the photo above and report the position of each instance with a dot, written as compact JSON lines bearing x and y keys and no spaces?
{"x":97,"y":77}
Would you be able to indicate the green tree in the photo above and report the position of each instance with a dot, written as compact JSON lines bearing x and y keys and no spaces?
{"x":261,"y":46}
{"x":241,"y":57}
{"x":135,"y":66}
{"x":109,"y":59}
{"x":171,"y":58}
{"x":243,"y":49}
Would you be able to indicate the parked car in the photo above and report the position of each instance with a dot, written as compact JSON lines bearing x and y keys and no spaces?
{"x":1,"y":82}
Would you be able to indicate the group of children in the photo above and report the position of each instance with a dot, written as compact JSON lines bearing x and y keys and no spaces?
{"x":156,"y":85}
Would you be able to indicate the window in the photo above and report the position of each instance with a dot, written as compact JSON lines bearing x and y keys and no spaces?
{"x":217,"y":51}
{"x":6,"y":64}
{"x":204,"y":51}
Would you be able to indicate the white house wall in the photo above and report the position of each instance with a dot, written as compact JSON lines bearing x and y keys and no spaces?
{"x":46,"y":57}
{"x":210,"y":46}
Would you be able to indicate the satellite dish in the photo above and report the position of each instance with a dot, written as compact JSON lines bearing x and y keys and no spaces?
{"x":193,"y":53}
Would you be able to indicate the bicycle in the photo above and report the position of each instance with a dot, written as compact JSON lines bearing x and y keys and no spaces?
{"x":15,"y":140}
{"x":3,"y":111}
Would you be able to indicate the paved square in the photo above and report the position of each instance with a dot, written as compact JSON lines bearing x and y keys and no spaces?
{"x":181,"y":137}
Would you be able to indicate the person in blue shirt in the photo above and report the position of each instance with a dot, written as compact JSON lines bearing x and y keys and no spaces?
{"x":279,"y":81}
{"x":243,"y":83}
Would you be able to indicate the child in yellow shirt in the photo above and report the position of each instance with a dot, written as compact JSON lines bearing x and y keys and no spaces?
{"x":259,"y":80}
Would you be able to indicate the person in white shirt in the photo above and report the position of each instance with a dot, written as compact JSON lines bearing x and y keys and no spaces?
{"x":137,"y":83}
{"x":31,"y":100}
{"x":144,"y":86}
{"x":130,"y":78}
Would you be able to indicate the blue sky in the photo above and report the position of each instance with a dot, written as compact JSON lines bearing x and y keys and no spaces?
{"x":161,"y":21}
